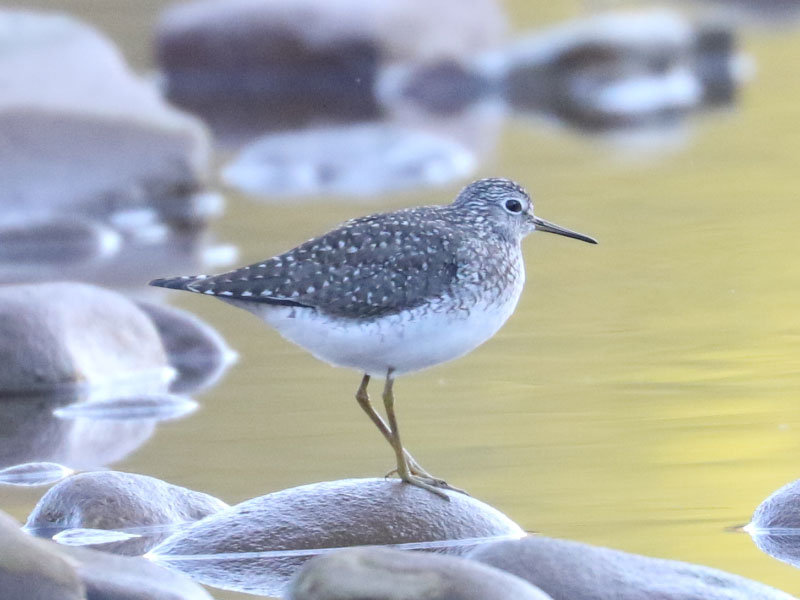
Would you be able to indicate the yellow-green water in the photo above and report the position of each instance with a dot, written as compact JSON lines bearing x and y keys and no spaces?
{"x":645,"y":394}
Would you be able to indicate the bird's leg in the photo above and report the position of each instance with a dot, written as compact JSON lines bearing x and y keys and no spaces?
{"x":416,"y":469}
{"x":403,"y":470}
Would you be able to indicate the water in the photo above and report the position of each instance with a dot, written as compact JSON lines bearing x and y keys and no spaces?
{"x":644,"y":396}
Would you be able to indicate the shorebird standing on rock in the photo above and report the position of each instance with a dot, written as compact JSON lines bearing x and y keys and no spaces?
{"x":395,"y":292}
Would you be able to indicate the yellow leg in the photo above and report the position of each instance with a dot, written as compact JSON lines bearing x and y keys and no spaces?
{"x":416,"y":469}
{"x":403,"y":470}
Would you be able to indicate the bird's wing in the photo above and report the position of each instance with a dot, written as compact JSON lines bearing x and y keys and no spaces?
{"x":368,"y":267}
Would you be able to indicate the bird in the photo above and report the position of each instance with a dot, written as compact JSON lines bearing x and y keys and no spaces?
{"x":395,"y":292}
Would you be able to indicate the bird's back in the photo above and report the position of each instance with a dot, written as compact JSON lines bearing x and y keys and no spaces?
{"x":369,"y":267}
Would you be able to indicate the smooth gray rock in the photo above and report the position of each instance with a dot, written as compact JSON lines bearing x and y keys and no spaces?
{"x":384,"y":574}
{"x":31,"y":569}
{"x":574,"y":571}
{"x":34,"y":569}
{"x":54,"y":334}
{"x":116,"y":501}
{"x":79,"y":132}
{"x":250,"y":66}
{"x":262,"y":542}
{"x":195,"y":350}
{"x":112,"y":577}
{"x":775,"y":525}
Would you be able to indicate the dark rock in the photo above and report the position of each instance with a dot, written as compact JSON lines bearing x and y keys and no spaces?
{"x":619,"y":70}
{"x":263,"y":541}
{"x":195,"y":350}
{"x":117,"y":501}
{"x":53,"y":334}
{"x":249,"y":66}
{"x":612,"y":70}
{"x":384,"y":574}
{"x":573,"y":571}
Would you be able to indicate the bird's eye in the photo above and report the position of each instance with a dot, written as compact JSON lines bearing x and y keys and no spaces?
{"x":513,"y":206}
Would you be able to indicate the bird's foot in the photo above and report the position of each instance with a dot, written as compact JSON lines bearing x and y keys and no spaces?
{"x":426,"y":484}
{"x":419,"y":474}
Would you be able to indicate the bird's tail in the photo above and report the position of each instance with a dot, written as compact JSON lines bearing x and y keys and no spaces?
{"x":187,"y":282}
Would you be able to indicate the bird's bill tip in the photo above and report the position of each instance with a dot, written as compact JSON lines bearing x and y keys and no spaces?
{"x":547,"y":226}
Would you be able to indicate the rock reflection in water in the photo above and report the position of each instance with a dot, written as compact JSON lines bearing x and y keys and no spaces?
{"x":30,"y":432}
{"x":257,"y":545}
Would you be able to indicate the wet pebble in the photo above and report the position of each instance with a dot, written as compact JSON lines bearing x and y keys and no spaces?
{"x":574,"y":571}
{"x":195,"y":350}
{"x":257,"y":545}
{"x":125,"y":503}
{"x":30,"y":432}
{"x":385,"y":574}
{"x":31,"y":474}
{"x":52,"y":334}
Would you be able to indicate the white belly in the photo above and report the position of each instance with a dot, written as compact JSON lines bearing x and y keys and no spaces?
{"x":404,"y":342}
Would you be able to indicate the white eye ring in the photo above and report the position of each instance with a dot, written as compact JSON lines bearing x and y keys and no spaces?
{"x":513,"y":206}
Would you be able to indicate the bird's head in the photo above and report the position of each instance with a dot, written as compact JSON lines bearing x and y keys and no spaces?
{"x":504,"y":204}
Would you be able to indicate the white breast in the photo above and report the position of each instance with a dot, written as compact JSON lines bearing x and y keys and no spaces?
{"x":409,"y":341}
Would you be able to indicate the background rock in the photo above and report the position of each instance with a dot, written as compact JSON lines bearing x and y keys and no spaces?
{"x":66,"y":333}
{"x":573,"y":571}
{"x":117,"y":501}
{"x":384,"y":574}
{"x":249,"y":66}
{"x":30,"y":569}
{"x":79,"y":131}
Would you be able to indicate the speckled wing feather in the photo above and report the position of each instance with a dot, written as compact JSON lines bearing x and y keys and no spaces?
{"x":369,"y":267}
